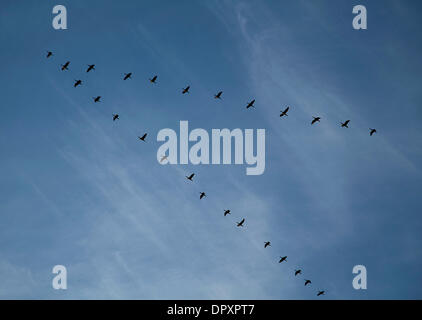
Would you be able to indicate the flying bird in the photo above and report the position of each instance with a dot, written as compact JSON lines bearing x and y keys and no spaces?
{"x":320,"y":293}
{"x":96,"y":99}
{"x":90,"y":67}
{"x":163,"y":158}
{"x":115,"y":117}
{"x":345,"y":124}
{"x":77,"y":83}
{"x":240,"y":224}
{"x":372,"y":131}
{"x":268,"y":243}
{"x":49,"y":54}
{"x":143,"y":137}
{"x":307,"y":282}
{"x":316,"y":119}
{"x":298,"y":272}
{"x":190,"y":177}
{"x":226,"y":212}
{"x":127,"y":76}
{"x":202,"y":194}
{"x":153,"y":79}
{"x":65,"y":66}
{"x":283,"y":259}
{"x":218,"y":95}
{"x":284,"y":113}
{"x":250,"y":104}
{"x":186,"y":90}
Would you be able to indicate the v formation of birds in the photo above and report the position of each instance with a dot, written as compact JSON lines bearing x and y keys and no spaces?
{"x":283,"y":113}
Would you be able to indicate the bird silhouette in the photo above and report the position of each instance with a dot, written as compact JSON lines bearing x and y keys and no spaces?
{"x":372,"y":131}
{"x":186,"y":90}
{"x":96,"y":99}
{"x":65,"y":66}
{"x":284,"y":113}
{"x":298,"y":272}
{"x":283,"y":259}
{"x":143,"y":137}
{"x":345,"y":124}
{"x":307,"y":282}
{"x":90,"y":67}
{"x":115,"y":117}
{"x":77,"y":83}
{"x":250,"y":104}
{"x":153,"y":79}
{"x":226,"y":212}
{"x":240,"y":224}
{"x":190,"y":177}
{"x":316,"y":119}
{"x":202,"y":194}
{"x":320,"y":293}
{"x":163,"y":158}
{"x":218,"y":95}
{"x":49,"y":54}
{"x":266,"y":244}
{"x":127,"y":76}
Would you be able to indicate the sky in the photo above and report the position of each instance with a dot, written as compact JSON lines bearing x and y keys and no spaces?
{"x":80,"y":190}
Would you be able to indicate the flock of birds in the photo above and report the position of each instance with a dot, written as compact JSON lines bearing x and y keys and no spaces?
{"x":266,"y":243}
{"x":283,"y":113}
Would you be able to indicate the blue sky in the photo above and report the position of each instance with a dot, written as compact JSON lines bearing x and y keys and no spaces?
{"x":79,"y":190}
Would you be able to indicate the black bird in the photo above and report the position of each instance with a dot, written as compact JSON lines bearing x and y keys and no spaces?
{"x":96,"y":99}
{"x":320,"y":293}
{"x":298,"y":272}
{"x":307,"y":282}
{"x":345,"y":124}
{"x":154,"y":78}
{"x":163,"y":158}
{"x":77,"y":83}
{"x":372,"y":131}
{"x":283,"y":259}
{"x":202,"y":194}
{"x":186,"y":90}
{"x":226,"y":212}
{"x":115,"y":117}
{"x":218,"y":95}
{"x":65,"y":66}
{"x":190,"y":177}
{"x":250,"y":104}
{"x":49,"y":54}
{"x":316,"y":119}
{"x":240,"y":224}
{"x":143,"y":137}
{"x":127,"y":76}
{"x":267,"y":244}
{"x":90,"y":67}
{"x":284,"y":113}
